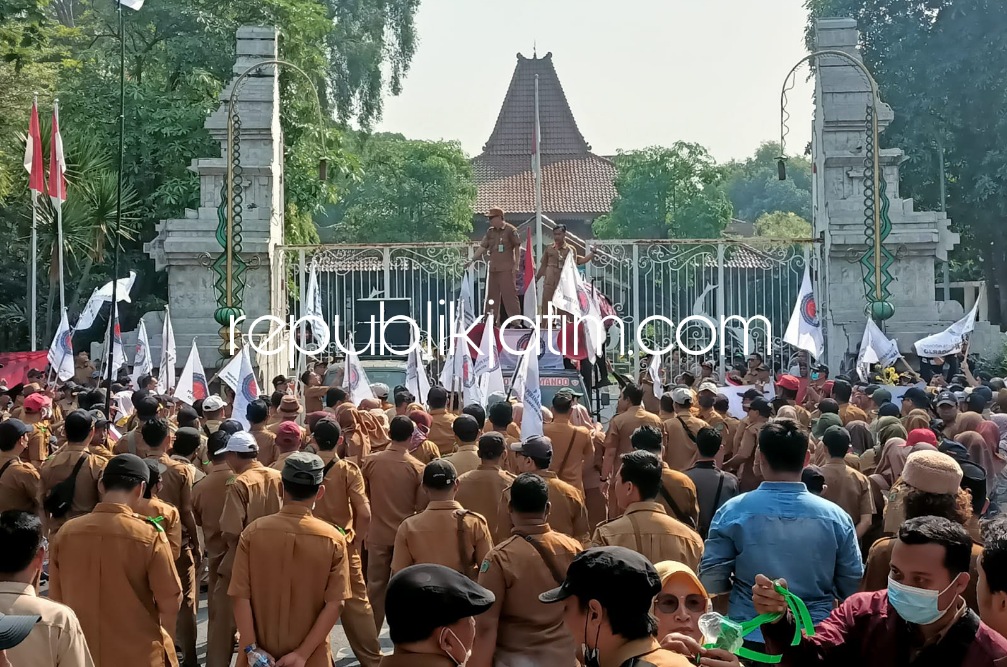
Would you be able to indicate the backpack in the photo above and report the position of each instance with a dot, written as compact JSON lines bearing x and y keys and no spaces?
{"x":59,"y":499}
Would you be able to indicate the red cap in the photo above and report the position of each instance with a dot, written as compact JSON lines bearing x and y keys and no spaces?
{"x":288,"y":432}
{"x":788,"y":382}
{"x":918,"y":435}
{"x":35,"y":402}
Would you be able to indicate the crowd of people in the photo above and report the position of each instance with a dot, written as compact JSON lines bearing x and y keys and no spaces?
{"x":830,"y":526}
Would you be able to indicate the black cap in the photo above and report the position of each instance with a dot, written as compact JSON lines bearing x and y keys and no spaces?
{"x":188,"y":435}
{"x":421,"y":598}
{"x":813,"y":479}
{"x":888,"y":410}
{"x":917,"y":397}
{"x":14,"y":629}
{"x":616,"y":577}
{"x":439,"y":474}
{"x":154,"y":470}
{"x":752,"y":394}
{"x":838,"y":435}
{"x":100,"y":420}
{"x":945,"y":397}
{"x":536,"y":446}
{"x":127,"y":465}
{"x":13,"y":430}
{"x":78,"y":421}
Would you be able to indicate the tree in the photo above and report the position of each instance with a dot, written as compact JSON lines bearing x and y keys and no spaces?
{"x":409,"y":191}
{"x":782,"y":225}
{"x":947,"y":83}
{"x":755,"y":189}
{"x":673,"y":192}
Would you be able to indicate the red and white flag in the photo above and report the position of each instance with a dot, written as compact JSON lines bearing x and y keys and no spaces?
{"x":528,"y":269}
{"x":33,"y":155}
{"x":57,"y":164}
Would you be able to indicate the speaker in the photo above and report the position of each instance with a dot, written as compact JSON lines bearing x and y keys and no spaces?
{"x":397,"y":334}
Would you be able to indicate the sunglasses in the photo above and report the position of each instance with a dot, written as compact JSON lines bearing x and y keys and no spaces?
{"x":669,"y":604}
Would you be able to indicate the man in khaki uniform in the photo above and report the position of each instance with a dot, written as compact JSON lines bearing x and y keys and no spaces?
{"x":677,"y":492}
{"x":553,"y":259}
{"x":632,"y":416}
{"x":788,"y":387}
{"x":73,"y":459}
{"x":114,"y":569}
{"x":730,"y":427}
{"x":645,"y":527}
{"x":19,"y":481}
{"x":441,"y":432}
{"x":500,"y":417}
{"x":706,"y":398}
{"x":567,"y":513}
{"x":289,"y":437}
{"x":572,"y":445}
{"x":151,"y":506}
{"x":57,"y":640}
{"x":842,"y":391}
{"x":37,"y":414}
{"x":207,"y":505}
{"x":517,"y":571}
{"x":345,"y":506}
{"x":257,"y":415}
{"x":466,"y":456}
{"x":502,"y":245}
{"x":255,"y":492}
{"x":393,"y":480}
{"x":680,"y":429}
{"x":481,"y":490}
{"x":314,"y":392}
{"x":145,"y":409}
{"x":291,"y":574}
{"x":82,"y":368}
{"x":845,"y":486}
{"x":444,"y":533}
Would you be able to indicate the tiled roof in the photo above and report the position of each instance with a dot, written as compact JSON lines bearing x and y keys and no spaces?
{"x":574,"y":180}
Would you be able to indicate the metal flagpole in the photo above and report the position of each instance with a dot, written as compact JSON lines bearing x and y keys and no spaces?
{"x":58,"y":203}
{"x":118,"y":206}
{"x":537,"y":166}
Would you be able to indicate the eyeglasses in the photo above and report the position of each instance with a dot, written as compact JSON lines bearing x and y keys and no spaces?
{"x":669,"y":604}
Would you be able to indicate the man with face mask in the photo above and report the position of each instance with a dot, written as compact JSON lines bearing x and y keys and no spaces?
{"x":920,"y":619}
{"x":608,"y":593}
{"x":430,"y":610}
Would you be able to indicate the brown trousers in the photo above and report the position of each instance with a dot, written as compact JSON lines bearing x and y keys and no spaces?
{"x":379,"y":571}
{"x":501,"y":290}
{"x":597,"y":506}
{"x":358,"y":617}
{"x":185,"y":625}
{"x":220,"y":629}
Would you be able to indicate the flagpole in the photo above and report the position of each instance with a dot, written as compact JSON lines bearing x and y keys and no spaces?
{"x":59,"y":213}
{"x":118,"y":201}
{"x":537,"y":166}
{"x":34,"y":254}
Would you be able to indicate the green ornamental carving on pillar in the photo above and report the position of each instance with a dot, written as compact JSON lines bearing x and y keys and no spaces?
{"x":876,"y":260}
{"x":229,"y":265}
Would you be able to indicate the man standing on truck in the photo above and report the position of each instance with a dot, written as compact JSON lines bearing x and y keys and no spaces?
{"x":501,"y":247}
{"x":553,"y":259}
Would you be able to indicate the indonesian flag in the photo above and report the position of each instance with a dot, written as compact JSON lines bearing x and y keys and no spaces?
{"x":61,"y":351}
{"x":805,"y":328}
{"x":530,"y":294}
{"x":192,"y":385}
{"x":33,"y":155}
{"x":526,"y":272}
{"x":57,"y":163}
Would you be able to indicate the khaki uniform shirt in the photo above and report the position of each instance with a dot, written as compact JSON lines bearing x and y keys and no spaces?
{"x":465,"y":458}
{"x":253,"y":494}
{"x":621,"y":428}
{"x":266,"y":440}
{"x":426,"y":452}
{"x":393,"y":480}
{"x":647,"y":529}
{"x":650,"y":653}
{"x":280,"y":460}
{"x":115,"y":570}
{"x":501,"y":247}
{"x":57,"y":639}
{"x":680,"y":451}
{"x":82,"y":371}
{"x":290,"y":565}
{"x":571,"y":447}
{"x":681,"y":490}
{"x":207,"y":505}
{"x":851,"y":413}
{"x":553,"y":259}
{"x":517,"y":574}
{"x":132,"y":443}
{"x":848,"y":488}
{"x":444,"y":533}
{"x":344,"y":486}
{"x":167,"y":516}
{"x":441,"y":433}
{"x":313,"y":397}
{"x":59,"y":467}
{"x":567,"y":513}
{"x":481,"y":491}
{"x":38,"y":443}
{"x":19,"y":485}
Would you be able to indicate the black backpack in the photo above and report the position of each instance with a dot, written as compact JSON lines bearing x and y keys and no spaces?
{"x":59,"y":499}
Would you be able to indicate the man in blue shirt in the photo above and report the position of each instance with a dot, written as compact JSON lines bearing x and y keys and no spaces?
{"x":782,"y":530}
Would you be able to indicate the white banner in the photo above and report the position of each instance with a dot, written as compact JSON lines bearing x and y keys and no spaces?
{"x":952,"y":339}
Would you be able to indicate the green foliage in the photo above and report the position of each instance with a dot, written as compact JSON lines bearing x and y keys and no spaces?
{"x":755,"y":189}
{"x":780,"y":225}
{"x":673,"y":192}
{"x":409,"y":191}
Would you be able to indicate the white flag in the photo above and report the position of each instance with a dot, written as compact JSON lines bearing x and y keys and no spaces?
{"x":102,"y":294}
{"x":567,"y":296}
{"x":526,"y":379}
{"x":142,"y":362}
{"x":875,"y":348}
{"x":417,"y":381}
{"x":487,"y":364}
{"x":61,"y":351}
{"x":192,"y":385}
{"x":455,"y":365}
{"x":576,"y":296}
{"x":135,"y":5}
{"x":118,"y":351}
{"x":166,"y":369}
{"x":654,"y":370}
{"x":231,"y":373}
{"x":467,"y":313}
{"x":313,"y":307}
{"x":805,"y":328}
{"x":247,"y":389}
{"x":355,"y":379}
{"x":952,"y":339}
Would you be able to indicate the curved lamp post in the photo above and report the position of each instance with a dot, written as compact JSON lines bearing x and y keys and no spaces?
{"x":876,"y":260}
{"x":229,"y":266}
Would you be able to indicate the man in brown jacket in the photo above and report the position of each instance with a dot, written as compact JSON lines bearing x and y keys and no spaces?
{"x":441,"y":433}
{"x":19,"y":480}
{"x":677,"y":493}
{"x":481,"y":490}
{"x":553,"y":259}
{"x":680,"y":429}
{"x":501,"y":245}
{"x":572,"y":445}
{"x":78,"y":426}
{"x":632,"y":416}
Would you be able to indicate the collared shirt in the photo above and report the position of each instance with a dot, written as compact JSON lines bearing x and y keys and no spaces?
{"x":680,"y":452}
{"x":132,"y":443}
{"x":280,"y":459}
{"x":621,"y":428}
{"x":501,"y":245}
{"x":393,"y":480}
{"x":706,"y":477}
{"x":436,"y":535}
{"x":167,"y":517}
{"x":290,"y":565}
{"x":465,"y":458}
{"x":55,"y":641}
{"x":38,"y":441}
{"x":266,"y":440}
{"x":344,"y":487}
{"x":481,"y":491}
{"x":848,"y":488}
{"x":571,"y":447}
{"x":441,"y":432}
{"x":567,"y":512}
{"x":771,"y":531}
{"x":313,"y":397}
{"x":207,"y":505}
{"x":115,"y":570}
{"x":648,"y":650}
{"x":851,"y":413}
{"x":255,"y":493}
{"x":553,"y":259}
{"x":19,"y":484}
{"x":517,"y":574}
{"x":648,"y":530}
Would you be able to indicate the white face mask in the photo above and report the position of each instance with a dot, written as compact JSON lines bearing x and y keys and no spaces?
{"x":468,"y":653}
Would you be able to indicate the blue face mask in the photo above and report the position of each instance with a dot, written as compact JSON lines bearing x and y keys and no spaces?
{"x":916,"y":605}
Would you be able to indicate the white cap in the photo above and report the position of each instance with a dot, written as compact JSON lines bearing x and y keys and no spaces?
{"x":380,"y":389}
{"x":681,"y":395}
{"x":241,"y":442}
{"x":708,"y":386}
{"x":212,"y":403}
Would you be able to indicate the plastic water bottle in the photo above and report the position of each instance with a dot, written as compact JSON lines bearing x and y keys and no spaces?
{"x":255,"y":658}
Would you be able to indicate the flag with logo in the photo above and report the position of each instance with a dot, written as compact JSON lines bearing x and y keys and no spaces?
{"x":230,"y":374}
{"x":102,"y":294}
{"x":875,"y":348}
{"x":417,"y":381}
{"x":951,"y":340}
{"x":166,"y":369}
{"x":61,"y":351}
{"x":577,"y":297}
{"x":143,"y":364}
{"x":528,"y":381}
{"x":805,"y":328}
{"x":486,"y":367}
{"x":247,"y":389}
{"x":192,"y":384}
{"x":355,"y":379}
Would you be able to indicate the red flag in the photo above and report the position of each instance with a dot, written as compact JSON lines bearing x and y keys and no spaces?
{"x":33,"y":154}
{"x":57,"y":165}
